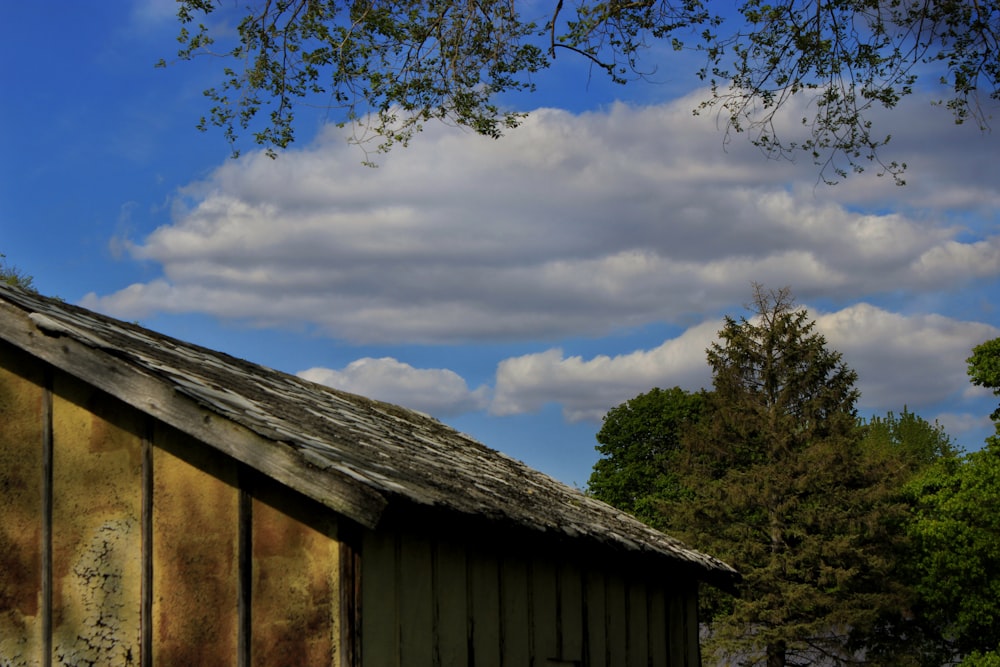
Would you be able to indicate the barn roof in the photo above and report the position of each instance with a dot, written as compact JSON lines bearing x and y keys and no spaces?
{"x":353,"y":454}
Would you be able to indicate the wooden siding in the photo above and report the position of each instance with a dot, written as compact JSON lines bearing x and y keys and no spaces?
{"x":124,"y":541}
{"x":96,"y":528}
{"x":125,"y":546}
{"x":21,"y":480}
{"x":295,"y":586}
{"x":429,"y":599}
{"x":195,"y":553}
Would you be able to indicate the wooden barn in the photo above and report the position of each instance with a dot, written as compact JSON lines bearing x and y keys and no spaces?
{"x":166,"y":504}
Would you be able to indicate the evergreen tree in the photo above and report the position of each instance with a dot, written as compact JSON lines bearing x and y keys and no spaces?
{"x":778,"y":488}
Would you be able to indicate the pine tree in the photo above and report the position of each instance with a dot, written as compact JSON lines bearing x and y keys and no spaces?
{"x":777,"y":488}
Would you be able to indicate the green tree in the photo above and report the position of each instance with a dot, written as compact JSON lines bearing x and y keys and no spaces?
{"x":408,"y":61}
{"x":902,"y":447}
{"x":639,"y":441}
{"x":984,"y":369}
{"x":907,"y":441}
{"x":11,"y":275}
{"x":956,"y":530}
{"x":779,"y":488}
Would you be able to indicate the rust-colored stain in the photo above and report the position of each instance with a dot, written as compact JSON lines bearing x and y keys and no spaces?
{"x":295,"y":592}
{"x":20,"y":500}
{"x":195,"y":544}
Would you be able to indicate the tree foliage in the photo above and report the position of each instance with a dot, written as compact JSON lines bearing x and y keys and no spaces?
{"x":984,"y":369}
{"x":779,"y":491}
{"x":407,"y":61}
{"x":772,"y":471}
{"x":956,"y":529}
{"x":639,"y":442}
{"x":858,"y":540}
{"x":905,"y":440}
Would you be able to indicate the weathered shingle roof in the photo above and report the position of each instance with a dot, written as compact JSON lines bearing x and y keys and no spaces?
{"x":348,"y":452}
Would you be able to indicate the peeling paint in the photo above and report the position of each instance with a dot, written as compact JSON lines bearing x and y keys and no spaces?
{"x":105,"y":633}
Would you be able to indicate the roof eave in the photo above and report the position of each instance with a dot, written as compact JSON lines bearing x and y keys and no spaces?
{"x":128,"y":383}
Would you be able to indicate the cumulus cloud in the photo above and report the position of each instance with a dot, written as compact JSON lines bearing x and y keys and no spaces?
{"x":575,"y":224}
{"x":436,"y":391}
{"x":901,"y":360}
{"x":588,"y":388}
{"x":913,"y":360}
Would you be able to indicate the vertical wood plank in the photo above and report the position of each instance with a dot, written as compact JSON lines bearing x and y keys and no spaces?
{"x":616,"y":620}
{"x":47,"y":500}
{"x":638,"y":624}
{"x":545,"y":603}
{"x":21,"y":508}
{"x":295,"y":596}
{"x":571,"y":618}
{"x":596,"y":616}
{"x":517,"y":636}
{"x":146,"y":612}
{"x":347,"y":589}
{"x":691,"y":626}
{"x":96,"y":526}
{"x":416,"y":598}
{"x":195,"y":570}
{"x":451,"y":610}
{"x":657,"y":615}
{"x":244,"y":575}
{"x":380,"y":620}
{"x":484,"y":609}
{"x":677,"y":629}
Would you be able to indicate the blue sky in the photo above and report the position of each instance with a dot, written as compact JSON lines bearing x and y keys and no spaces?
{"x":515,"y":289}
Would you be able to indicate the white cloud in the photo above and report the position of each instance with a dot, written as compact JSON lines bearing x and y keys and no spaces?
{"x":901,"y":360}
{"x":587,"y":389}
{"x":437,"y":391}
{"x":152,"y":13}
{"x":958,"y":425}
{"x":571,"y":225}
{"x":913,"y":360}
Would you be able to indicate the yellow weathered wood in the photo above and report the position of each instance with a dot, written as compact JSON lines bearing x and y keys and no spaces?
{"x":96,"y":526}
{"x":295,"y":598}
{"x":195,"y":553}
{"x":20,"y":508}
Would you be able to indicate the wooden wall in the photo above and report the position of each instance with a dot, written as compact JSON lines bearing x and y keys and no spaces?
{"x":124,"y":542}
{"x":431,"y":600}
